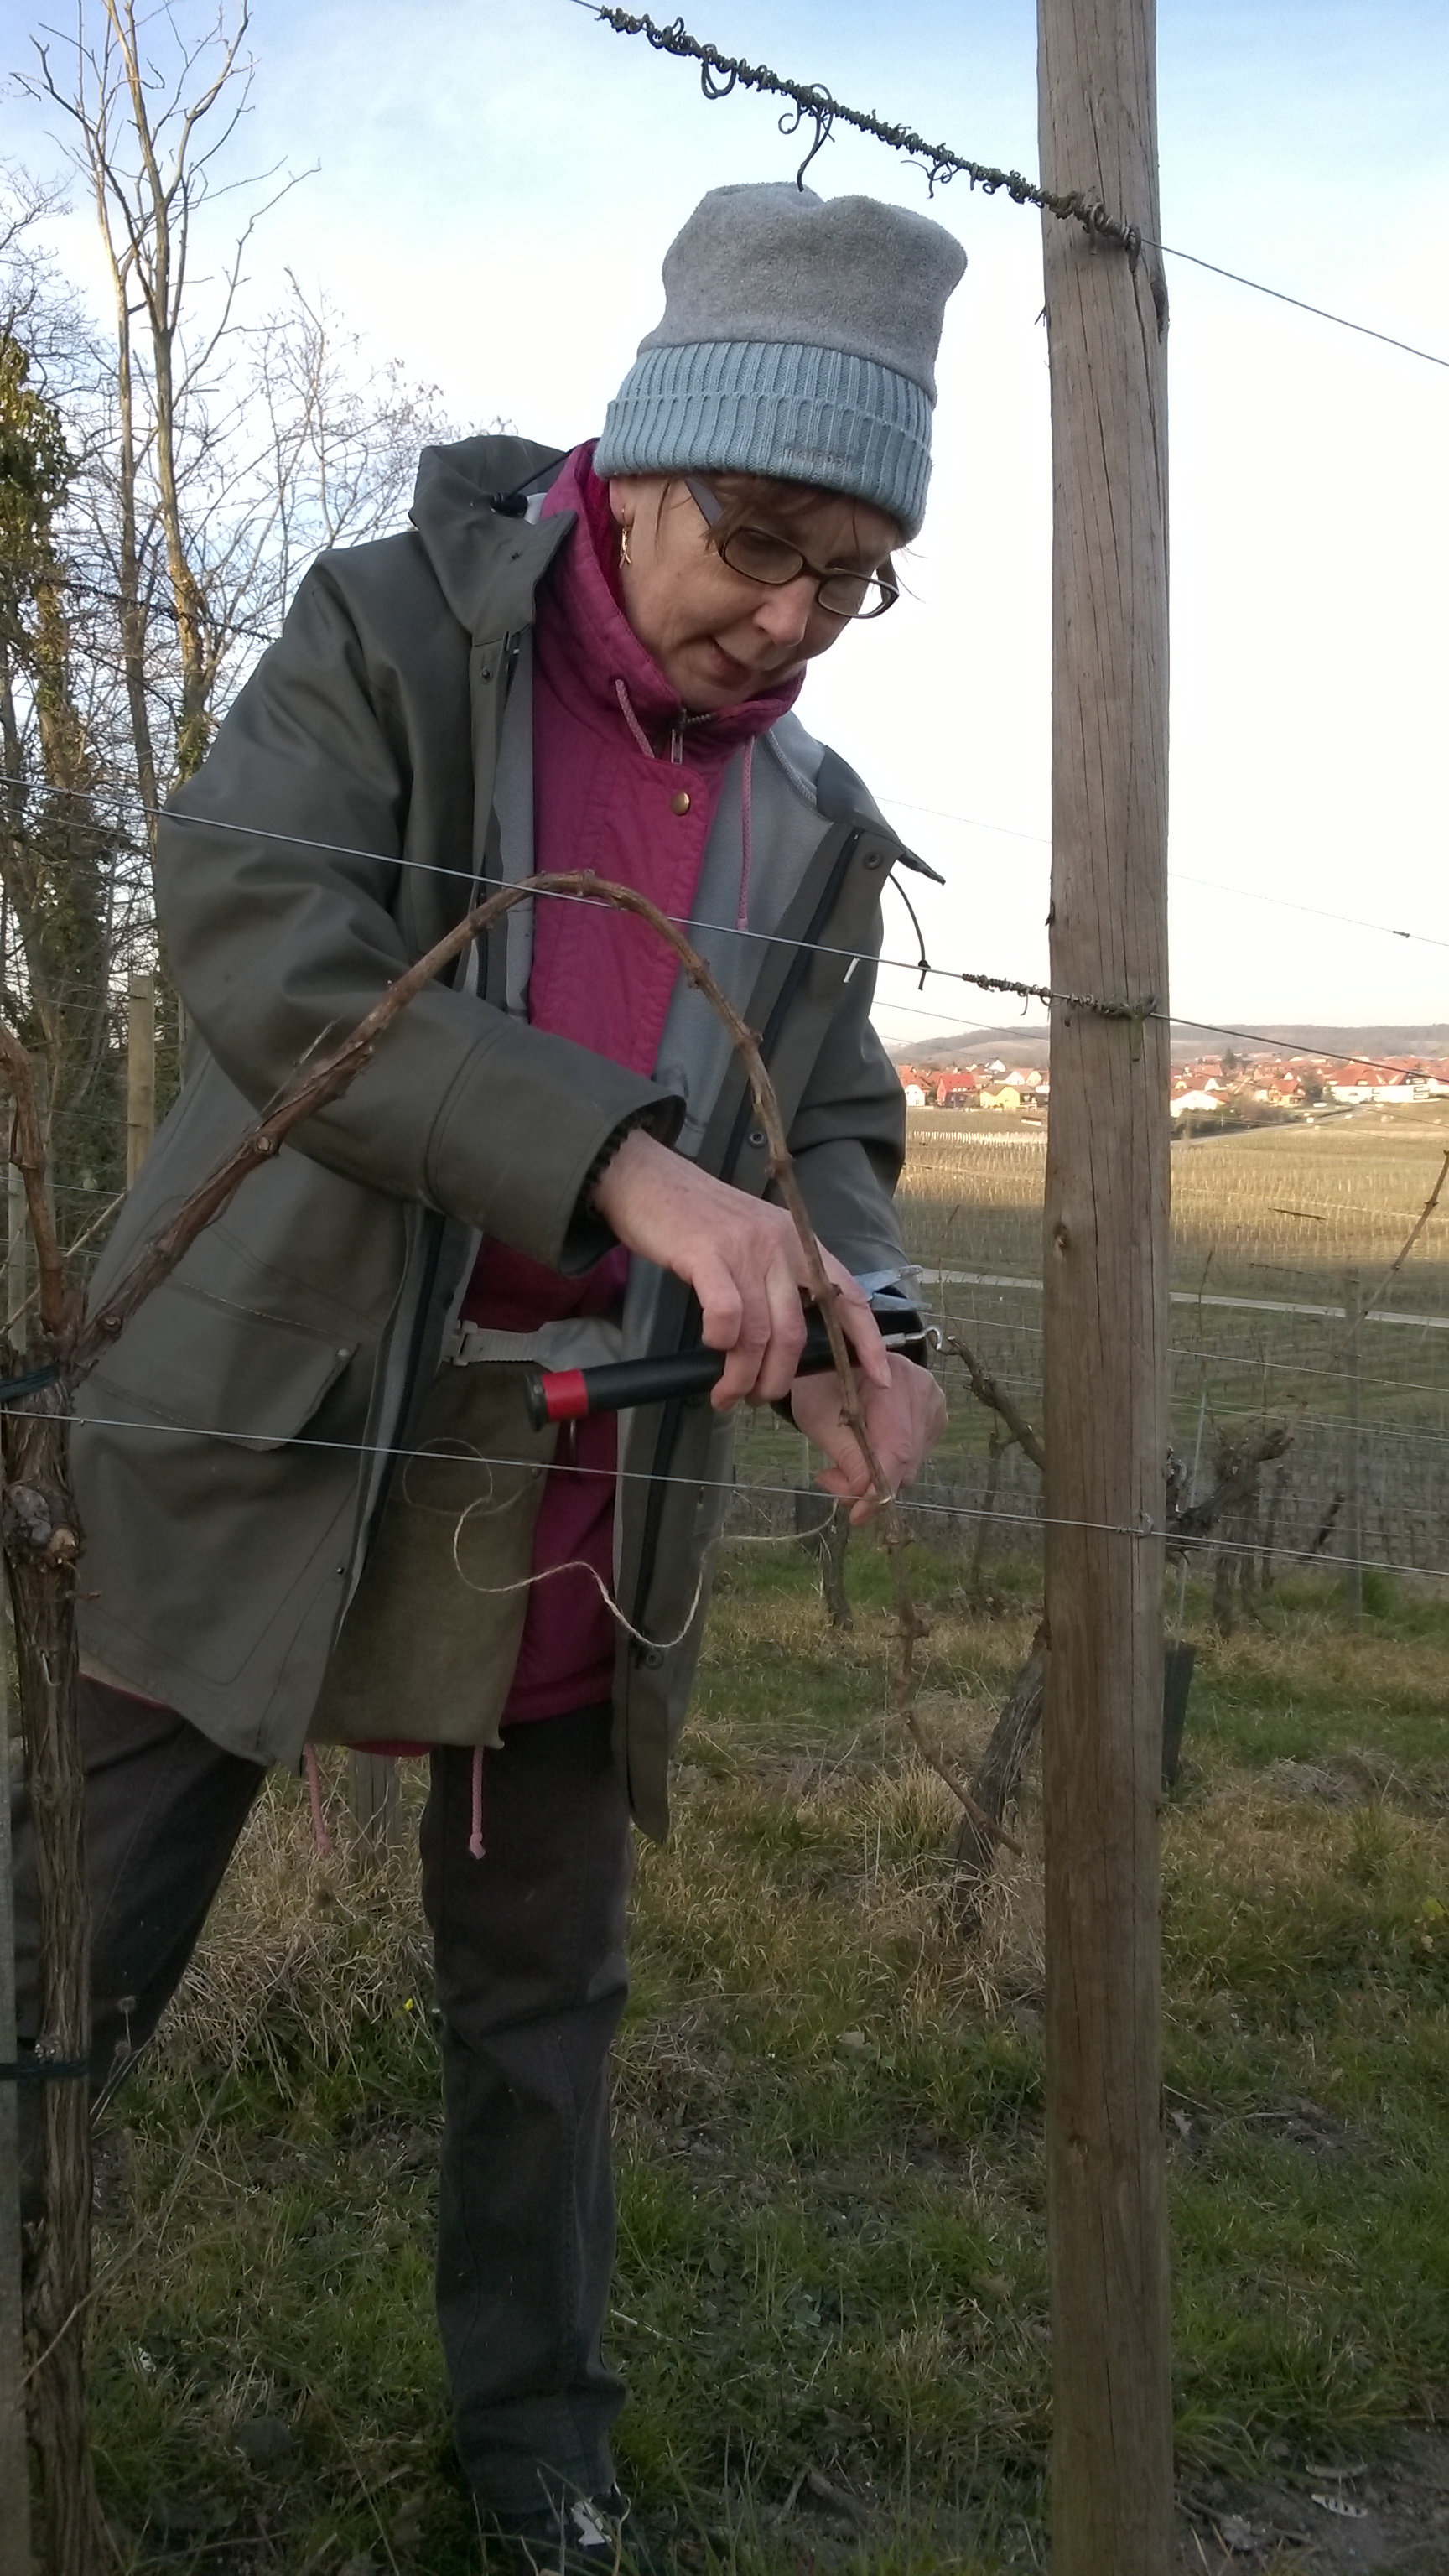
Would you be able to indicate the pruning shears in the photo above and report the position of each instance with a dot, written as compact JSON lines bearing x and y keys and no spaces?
{"x":569,"y":1395}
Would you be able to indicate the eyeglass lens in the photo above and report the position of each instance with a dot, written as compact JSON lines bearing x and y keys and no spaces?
{"x":762,"y":557}
{"x":773,"y":560}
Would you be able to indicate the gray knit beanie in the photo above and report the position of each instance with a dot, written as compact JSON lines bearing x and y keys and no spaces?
{"x":799,"y":339}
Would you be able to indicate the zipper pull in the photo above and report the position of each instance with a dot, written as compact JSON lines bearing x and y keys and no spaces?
{"x":676,"y":739}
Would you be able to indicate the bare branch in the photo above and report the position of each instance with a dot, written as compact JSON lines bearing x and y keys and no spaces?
{"x":1412,"y":1237}
{"x":987,"y":1391}
{"x":911,"y":1628}
{"x":1184,"y":1521}
{"x":328,"y":1076}
{"x":1238,"y":1462}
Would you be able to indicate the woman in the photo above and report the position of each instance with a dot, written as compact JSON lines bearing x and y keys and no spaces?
{"x":312,"y":1502}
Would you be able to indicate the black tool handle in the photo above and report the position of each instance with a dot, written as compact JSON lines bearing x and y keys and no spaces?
{"x":567,"y":1395}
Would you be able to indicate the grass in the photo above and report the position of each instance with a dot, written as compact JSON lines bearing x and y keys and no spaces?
{"x":832,"y":2276}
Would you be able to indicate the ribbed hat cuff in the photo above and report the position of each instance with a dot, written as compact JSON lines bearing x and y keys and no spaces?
{"x":817,"y":416}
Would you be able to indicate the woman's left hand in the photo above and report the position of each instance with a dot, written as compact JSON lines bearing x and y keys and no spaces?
{"x":903,"y":1420}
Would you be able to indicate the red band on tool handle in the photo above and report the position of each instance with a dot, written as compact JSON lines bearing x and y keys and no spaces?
{"x":565,"y":1393}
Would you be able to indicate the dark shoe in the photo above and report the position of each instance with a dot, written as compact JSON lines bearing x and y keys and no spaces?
{"x":572,"y":2537}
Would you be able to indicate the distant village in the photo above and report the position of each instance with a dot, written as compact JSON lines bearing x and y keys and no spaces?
{"x":1230,"y":1088}
{"x":973,"y":1086}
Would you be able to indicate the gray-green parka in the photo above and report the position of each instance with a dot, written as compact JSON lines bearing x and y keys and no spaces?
{"x":235,"y":1447}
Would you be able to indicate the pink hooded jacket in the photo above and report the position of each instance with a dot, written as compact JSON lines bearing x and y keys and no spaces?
{"x":628,"y":785}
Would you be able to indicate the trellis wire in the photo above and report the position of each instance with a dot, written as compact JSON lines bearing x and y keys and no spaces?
{"x":124,"y":793}
{"x":1116,"y":1007}
{"x":718,"y":1484}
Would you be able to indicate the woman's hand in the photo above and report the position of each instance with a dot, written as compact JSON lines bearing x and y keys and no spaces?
{"x":904,"y":1420}
{"x":744,"y":1261}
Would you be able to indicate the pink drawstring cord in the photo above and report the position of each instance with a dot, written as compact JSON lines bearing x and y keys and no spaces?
{"x":314,"y":1784}
{"x":632,"y":721}
{"x":475,"y":1838}
{"x":745,"y":834}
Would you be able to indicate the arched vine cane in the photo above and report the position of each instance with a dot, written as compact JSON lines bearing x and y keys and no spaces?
{"x":42,"y":1545}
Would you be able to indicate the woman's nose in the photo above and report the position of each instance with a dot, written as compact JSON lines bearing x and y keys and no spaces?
{"x":784,"y":613}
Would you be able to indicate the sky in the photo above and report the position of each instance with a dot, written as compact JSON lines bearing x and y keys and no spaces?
{"x":496,"y":181}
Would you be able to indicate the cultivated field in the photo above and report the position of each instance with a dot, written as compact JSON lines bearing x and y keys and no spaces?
{"x":1289,"y":1203}
{"x":1263,"y":1224}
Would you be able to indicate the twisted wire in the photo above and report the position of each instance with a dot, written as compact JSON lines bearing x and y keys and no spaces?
{"x":719,"y":74}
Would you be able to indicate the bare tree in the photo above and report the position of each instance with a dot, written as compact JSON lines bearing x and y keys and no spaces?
{"x":152,"y":107}
{"x":164,"y":481}
{"x":337,"y":442}
{"x":234,"y":447}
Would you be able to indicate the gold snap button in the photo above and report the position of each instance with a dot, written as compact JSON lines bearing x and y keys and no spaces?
{"x":679,"y":801}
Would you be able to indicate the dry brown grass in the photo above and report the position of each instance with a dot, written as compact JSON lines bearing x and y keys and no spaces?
{"x":298,"y":1943}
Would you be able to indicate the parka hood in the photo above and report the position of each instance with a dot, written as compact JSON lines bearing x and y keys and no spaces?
{"x":488,"y":561}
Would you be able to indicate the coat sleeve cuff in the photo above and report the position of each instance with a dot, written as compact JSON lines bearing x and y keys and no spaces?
{"x":587,"y":1220}
{"x":524,"y":1133}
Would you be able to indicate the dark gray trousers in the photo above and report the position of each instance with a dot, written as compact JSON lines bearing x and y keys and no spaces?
{"x":529,"y":1959}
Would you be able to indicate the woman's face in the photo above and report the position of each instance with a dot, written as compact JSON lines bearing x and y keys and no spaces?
{"x":720,"y":637}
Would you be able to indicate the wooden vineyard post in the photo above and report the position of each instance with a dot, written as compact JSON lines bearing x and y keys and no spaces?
{"x":374,"y":1803}
{"x":1106,"y":1313}
{"x":140,"y":1073}
{"x":1353,"y":1449}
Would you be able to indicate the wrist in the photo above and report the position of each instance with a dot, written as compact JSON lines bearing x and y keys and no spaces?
{"x":620,"y":1154}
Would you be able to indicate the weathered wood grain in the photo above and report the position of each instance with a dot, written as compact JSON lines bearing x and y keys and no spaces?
{"x":1106,"y":1345}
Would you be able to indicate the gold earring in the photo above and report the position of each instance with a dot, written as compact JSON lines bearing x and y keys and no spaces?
{"x":624,"y":555}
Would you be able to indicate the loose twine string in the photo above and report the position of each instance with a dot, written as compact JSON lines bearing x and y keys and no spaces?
{"x":484,"y":1506}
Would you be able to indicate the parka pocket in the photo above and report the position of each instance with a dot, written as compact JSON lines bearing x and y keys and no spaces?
{"x":200,"y":1363}
{"x":428,"y":1647}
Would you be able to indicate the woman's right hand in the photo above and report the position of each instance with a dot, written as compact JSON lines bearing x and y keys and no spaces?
{"x":744,"y":1261}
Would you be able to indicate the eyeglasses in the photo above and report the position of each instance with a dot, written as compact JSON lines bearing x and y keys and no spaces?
{"x":774,"y":561}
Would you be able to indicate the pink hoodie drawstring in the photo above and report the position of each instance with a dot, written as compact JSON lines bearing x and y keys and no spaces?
{"x":632,"y":721}
{"x":475,"y":1838}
